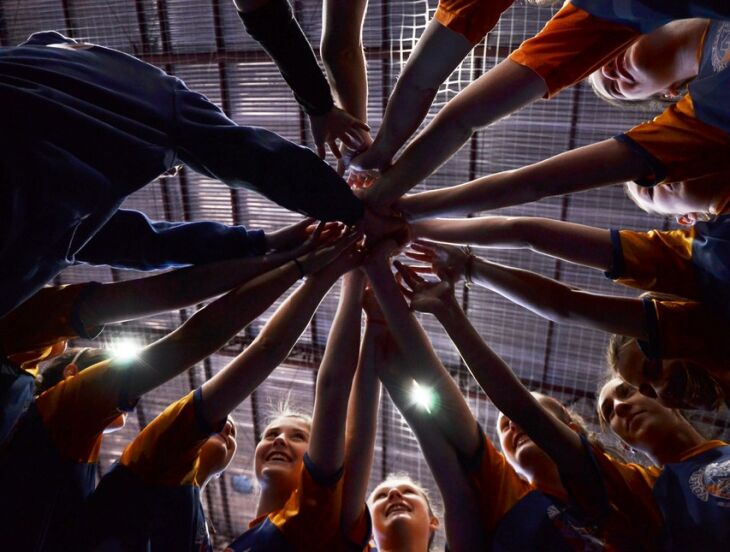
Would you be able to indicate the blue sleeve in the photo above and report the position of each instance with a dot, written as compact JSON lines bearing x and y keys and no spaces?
{"x":131,"y":240}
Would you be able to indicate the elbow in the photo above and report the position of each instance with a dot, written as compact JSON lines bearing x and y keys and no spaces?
{"x":340,"y":52}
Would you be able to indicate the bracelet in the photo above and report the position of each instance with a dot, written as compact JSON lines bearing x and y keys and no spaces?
{"x":468,"y":265}
{"x":302,"y":274}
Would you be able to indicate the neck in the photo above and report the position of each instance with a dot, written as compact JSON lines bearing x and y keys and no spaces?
{"x":675,"y":445}
{"x":273,"y":497}
{"x":546,"y":476}
{"x":401,"y":542}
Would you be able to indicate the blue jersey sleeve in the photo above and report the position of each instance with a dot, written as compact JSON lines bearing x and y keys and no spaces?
{"x":131,"y":240}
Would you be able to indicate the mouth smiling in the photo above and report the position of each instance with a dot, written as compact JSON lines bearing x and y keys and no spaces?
{"x":277,"y":456}
{"x":396,"y":508}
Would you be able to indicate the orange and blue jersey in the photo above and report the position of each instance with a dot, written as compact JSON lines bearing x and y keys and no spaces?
{"x":689,"y":139}
{"x":472,"y":19}
{"x":518,"y":515}
{"x":33,"y":332}
{"x":150,"y":500}
{"x":683,"y":506}
{"x":48,"y":466}
{"x":310,"y":519}
{"x":692,"y":137}
{"x":693,"y":263}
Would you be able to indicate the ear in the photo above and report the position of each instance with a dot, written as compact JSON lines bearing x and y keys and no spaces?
{"x":434,"y":523}
{"x":70,"y":370}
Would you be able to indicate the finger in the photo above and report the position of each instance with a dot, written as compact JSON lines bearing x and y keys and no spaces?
{"x":403,"y":287}
{"x":421,"y":269}
{"x":411,"y":278}
{"x":419,"y":256}
{"x":352,"y":141}
{"x":423,"y":247}
{"x":362,"y":126}
{"x":332,"y":143}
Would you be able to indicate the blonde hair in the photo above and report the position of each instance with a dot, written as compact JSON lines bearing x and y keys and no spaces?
{"x":395,"y":477}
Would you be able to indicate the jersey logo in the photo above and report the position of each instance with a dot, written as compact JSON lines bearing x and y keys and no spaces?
{"x":721,"y":47}
{"x":712,"y":480}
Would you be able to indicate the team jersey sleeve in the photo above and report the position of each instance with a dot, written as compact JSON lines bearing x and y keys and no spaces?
{"x":78,"y":409}
{"x":571,"y":46}
{"x":166,"y":451}
{"x":654,"y":261}
{"x":497,"y":484}
{"x":678,"y":146}
{"x":472,"y":19}
{"x":310,"y":519}
{"x":629,"y":516}
{"x":684,"y":329}
{"x":29,"y":332}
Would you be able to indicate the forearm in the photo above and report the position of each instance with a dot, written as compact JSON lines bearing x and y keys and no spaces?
{"x":334,"y":378}
{"x":274,"y":27}
{"x":362,"y":422}
{"x":437,"y":53}
{"x":225,"y":391}
{"x":571,"y":242}
{"x":601,"y":164}
{"x":561,"y":303}
{"x":142,"y":297}
{"x":449,"y":411}
{"x":209,"y":329}
{"x":499,"y":92}
{"x":504,"y":388}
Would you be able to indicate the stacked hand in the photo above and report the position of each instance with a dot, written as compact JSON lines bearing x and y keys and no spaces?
{"x":335,"y":125}
{"x":448,"y":262}
{"x":436,"y":297}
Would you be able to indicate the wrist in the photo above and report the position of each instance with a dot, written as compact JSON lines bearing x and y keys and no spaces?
{"x":468,"y":271}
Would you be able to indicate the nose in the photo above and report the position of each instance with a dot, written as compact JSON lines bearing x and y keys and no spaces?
{"x":279,"y":440}
{"x":394,"y":493}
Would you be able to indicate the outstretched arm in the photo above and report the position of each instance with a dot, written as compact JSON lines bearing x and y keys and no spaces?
{"x":501,"y":91}
{"x":211,"y":327}
{"x":142,"y":297}
{"x":544,"y":296}
{"x":334,"y":379}
{"x":438,"y":52}
{"x":362,"y":424}
{"x":600,"y":164}
{"x":501,"y":385}
{"x":451,"y":413}
{"x":576,"y":243}
{"x":224,"y":391}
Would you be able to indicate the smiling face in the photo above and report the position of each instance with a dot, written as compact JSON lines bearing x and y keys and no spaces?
{"x":691,"y":200}
{"x":636,"y":419}
{"x":524,"y":455}
{"x":280,"y":453}
{"x":218,"y":451}
{"x":656,"y":65}
{"x":400,"y":512}
{"x":675,"y":383}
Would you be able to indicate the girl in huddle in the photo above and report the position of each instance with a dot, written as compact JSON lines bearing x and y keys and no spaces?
{"x":683,"y":498}
{"x":488,"y":503}
{"x":161,"y":474}
{"x":684,"y":317}
{"x":300,"y":462}
{"x":688,"y":140}
{"x":526,"y":493}
{"x":59,"y":436}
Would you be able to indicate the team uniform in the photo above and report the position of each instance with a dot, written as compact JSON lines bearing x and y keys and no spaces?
{"x":689,"y":139}
{"x":693,"y":263}
{"x":310,"y":519}
{"x":48,"y":466}
{"x":472,"y":19}
{"x":150,"y":500}
{"x":683,"y":506}
{"x":32,"y":333}
{"x":518,"y":515}
{"x":89,"y":125}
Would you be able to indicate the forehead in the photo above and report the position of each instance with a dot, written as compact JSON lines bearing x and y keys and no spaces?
{"x":396,"y":484}
{"x":288,"y":424}
{"x":609,"y":390}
